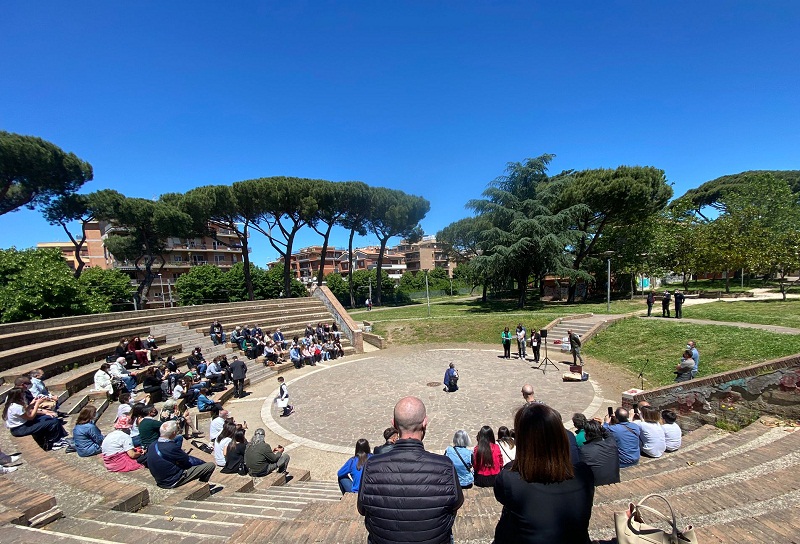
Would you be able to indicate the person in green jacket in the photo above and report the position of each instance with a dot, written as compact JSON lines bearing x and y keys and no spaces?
{"x":506,"y":336}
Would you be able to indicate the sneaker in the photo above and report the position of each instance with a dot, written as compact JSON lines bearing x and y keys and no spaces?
{"x":7,"y":470}
{"x":9,"y":459}
{"x":58,"y":445}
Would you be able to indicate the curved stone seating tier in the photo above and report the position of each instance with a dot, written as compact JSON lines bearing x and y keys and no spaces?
{"x":290,"y":325}
{"x":78,"y":378}
{"x":257,"y":314}
{"x":35,"y":351}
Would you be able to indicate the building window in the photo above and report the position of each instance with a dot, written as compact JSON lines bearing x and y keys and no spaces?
{"x":177,"y":258}
{"x":219,"y":258}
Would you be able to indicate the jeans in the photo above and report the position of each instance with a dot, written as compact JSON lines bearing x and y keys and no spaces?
{"x":345,"y":485}
{"x":129,"y":381}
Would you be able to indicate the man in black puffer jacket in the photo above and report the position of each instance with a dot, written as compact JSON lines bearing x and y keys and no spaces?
{"x":409,"y":494}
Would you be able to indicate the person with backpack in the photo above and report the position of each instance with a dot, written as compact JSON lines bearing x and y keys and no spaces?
{"x":451,"y":379}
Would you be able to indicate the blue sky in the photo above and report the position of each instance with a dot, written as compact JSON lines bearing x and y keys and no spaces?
{"x":433,"y":98}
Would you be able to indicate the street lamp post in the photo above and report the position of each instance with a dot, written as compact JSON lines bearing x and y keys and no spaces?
{"x":161,"y":283}
{"x":608,"y":288}
{"x":427,"y":293}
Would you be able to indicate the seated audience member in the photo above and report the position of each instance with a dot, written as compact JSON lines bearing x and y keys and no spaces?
{"x":47,"y":402}
{"x":119,"y":453}
{"x":172,"y":467}
{"x":261,"y":459}
{"x":461,"y":456}
{"x":270,"y":356}
{"x":103,"y":382}
{"x":136,"y":346}
{"x":505,"y":441}
{"x":185,"y":390}
{"x":578,"y":421}
{"x":172,"y":412}
{"x":545,"y":498}
{"x":652,"y":439}
{"x":217,"y":334}
{"x":120,"y":372}
{"x":294,"y":355}
{"x":238,"y":338}
{"x":151,"y":385}
{"x":279,"y":339}
{"x":683,"y":371}
{"x":24,"y":419}
{"x":197,"y":361}
{"x":149,"y":427}
{"x":37,"y":388}
{"x":218,"y":418}
{"x":171,"y":363}
{"x":86,"y":437}
{"x":305,"y":355}
{"x":138,"y":412}
{"x":390,"y":436}
{"x":234,"y":454}
{"x":122,"y":351}
{"x":309,"y":332}
{"x":350,"y":474}
{"x":204,"y":404}
{"x":600,"y":453}
{"x":125,"y":405}
{"x":337,"y":347}
{"x":152,"y":348}
{"x":214,"y":373}
{"x":330,"y":350}
{"x":487,"y":458}
{"x":672,"y":432}
{"x":626,"y":435}
{"x":222,"y":441}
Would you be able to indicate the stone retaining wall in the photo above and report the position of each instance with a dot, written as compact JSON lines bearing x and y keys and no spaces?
{"x":346,"y":325}
{"x":738,"y":396}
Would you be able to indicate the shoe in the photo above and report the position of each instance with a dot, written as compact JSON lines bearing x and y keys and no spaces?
{"x":13,"y":459}
{"x":7,"y":470}
{"x":58,"y":445}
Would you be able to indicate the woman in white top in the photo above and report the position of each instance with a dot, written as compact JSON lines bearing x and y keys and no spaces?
{"x":222,"y":442}
{"x":652,"y":439}
{"x":23,"y":419}
{"x":672,"y":433}
{"x":505,"y":440}
{"x":102,"y":379}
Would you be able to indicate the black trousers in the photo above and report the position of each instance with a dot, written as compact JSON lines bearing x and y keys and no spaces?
{"x":238,"y":388}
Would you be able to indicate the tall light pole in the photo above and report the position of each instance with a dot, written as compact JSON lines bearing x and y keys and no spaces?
{"x":163,"y":300}
{"x":427,"y":293}
{"x":608,"y":255}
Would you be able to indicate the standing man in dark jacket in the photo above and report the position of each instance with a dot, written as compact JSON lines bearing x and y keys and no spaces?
{"x":238,"y":370}
{"x":679,"y":298}
{"x":665,"y":304}
{"x":536,"y":344}
{"x":651,"y":299}
{"x":409,"y":494}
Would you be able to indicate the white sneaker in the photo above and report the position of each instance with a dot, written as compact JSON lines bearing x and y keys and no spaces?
{"x":6,"y":470}
{"x":58,"y":445}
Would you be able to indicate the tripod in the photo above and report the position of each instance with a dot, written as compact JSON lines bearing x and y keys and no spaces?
{"x":546,"y":361}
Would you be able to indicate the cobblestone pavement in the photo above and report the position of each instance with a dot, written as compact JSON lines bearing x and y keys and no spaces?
{"x":353,"y":398}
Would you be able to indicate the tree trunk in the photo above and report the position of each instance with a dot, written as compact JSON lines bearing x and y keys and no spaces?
{"x":248,"y":279}
{"x":522,"y":282}
{"x":685,"y":282}
{"x":573,"y":288}
{"x":320,"y":273}
{"x":377,"y":301}
{"x":350,"y":268}
{"x":483,"y":295}
{"x":287,"y":272}
{"x":727,"y":281}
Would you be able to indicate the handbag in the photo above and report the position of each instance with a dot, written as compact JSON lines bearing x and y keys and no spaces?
{"x":631,"y":529}
{"x":282,"y":403}
{"x":468,"y":466}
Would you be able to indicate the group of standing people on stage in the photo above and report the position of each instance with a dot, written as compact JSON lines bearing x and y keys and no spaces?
{"x":666,"y":299}
{"x":521,"y":337}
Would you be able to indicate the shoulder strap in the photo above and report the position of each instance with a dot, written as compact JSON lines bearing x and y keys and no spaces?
{"x":155,"y":447}
{"x":468,"y":467}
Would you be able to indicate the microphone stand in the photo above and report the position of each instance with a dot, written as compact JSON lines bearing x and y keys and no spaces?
{"x":641,"y":372}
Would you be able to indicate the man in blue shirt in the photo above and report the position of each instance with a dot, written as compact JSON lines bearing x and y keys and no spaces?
{"x":627,"y":436}
{"x":451,"y":379}
{"x":695,"y":356}
{"x":172,"y":467}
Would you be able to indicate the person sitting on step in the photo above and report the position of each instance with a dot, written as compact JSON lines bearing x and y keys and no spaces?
{"x":23,"y":419}
{"x":261,"y":459}
{"x":172,"y":467}
{"x":86,"y":436}
{"x":119,"y":453}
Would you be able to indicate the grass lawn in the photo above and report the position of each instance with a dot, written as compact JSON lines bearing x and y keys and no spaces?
{"x":766,"y":312}
{"x":630,"y":342}
{"x":472,"y":321}
{"x":718,"y":285}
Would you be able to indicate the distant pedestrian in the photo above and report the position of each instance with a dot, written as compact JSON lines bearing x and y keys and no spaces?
{"x":651,"y":299}
{"x":679,"y":298}
{"x":368,"y":303}
{"x":665,"y":304}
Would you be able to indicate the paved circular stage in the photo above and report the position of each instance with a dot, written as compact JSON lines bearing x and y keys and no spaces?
{"x":341,"y":401}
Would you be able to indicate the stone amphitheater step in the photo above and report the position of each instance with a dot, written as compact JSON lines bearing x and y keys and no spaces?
{"x":18,"y":534}
{"x":34,"y":352}
{"x":113,"y":528}
{"x":155,"y":520}
{"x":20,"y":504}
{"x":75,"y":380}
{"x":58,"y":364}
{"x":760,"y":474}
{"x":778,"y":524}
{"x":256,"y":313}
